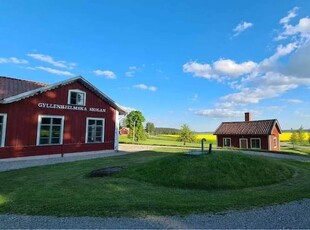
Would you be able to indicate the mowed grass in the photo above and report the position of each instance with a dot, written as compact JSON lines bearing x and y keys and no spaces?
{"x":211,"y":172}
{"x":66,"y":190}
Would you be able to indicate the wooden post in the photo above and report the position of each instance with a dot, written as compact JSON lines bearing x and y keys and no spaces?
{"x":210,"y":148}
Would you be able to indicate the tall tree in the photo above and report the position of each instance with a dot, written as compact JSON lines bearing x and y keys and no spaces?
{"x":150,"y":128}
{"x":294,"y":138}
{"x":301,"y":135}
{"x":186,"y":134}
{"x":134,"y":122}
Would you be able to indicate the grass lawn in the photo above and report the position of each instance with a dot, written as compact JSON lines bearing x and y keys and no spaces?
{"x":164,"y":140}
{"x":161,"y":182}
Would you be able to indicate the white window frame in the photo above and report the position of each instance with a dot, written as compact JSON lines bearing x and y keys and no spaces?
{"x":225,"y":138}
{"x":260,"y":143}
{"x":76,"y":91}
{"x":61,"y":129}
{"x":247,"y":144}
{"x":4,"y":115}
{"x":103,"y":128}
{"x":275,"y":142}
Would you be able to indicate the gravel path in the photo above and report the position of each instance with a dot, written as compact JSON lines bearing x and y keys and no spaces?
{"x":293,"y":215}
{"x":25,"y":162}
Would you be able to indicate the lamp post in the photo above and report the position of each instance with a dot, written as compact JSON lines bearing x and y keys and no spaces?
{"x":133,"y":131}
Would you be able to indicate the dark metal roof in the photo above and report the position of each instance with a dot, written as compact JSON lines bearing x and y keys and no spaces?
{"x":260,"y":127}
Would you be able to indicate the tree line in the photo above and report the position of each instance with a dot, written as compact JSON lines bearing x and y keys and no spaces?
{"x":134,"y":121}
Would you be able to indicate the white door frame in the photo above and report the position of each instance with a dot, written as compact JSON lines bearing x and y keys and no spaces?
{"x":247,"y":143}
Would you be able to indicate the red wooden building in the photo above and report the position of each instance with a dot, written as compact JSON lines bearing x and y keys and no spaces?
{"x":124,"y":131}
{"x":66,"y":117}
{"x":248,"y":134}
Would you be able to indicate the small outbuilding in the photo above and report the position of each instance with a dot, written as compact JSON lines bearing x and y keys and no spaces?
{"x":65,"y":117}
{"x":248,"y":134}
{"x":124,"y":131}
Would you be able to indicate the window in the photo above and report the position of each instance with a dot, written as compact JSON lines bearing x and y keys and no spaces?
{"x":77,"y":97}
{"x":50,"y":130}
{"x":255,"y":143}
{"x":227,"y":142}
{"x":95,"y":130}
{"x":2,"y":129}
{"x":275,"y":142}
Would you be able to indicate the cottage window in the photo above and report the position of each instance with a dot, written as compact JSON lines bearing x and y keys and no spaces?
{"x":255,"y":143}
{"x":77,"y":97}
{"x":50,"y":130}
{"x":2,"y":129}
{"x":275,"y":142}
{"x":227,"y":142}
{"x":95,"y":130}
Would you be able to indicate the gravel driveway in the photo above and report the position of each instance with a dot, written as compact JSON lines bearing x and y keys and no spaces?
{"x":294,"y":215}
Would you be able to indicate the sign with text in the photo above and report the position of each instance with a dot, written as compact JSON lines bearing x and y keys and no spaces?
{"x":70,"y":107}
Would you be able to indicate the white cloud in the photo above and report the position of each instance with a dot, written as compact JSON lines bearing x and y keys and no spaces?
{"x":302,"y":28}
{"x":13,"y":60}
{"x":145,"y":87}
{"x":199,"y":70}
{"x":53,"y":71}
{"x":231,"y":68}
{"x":291,"y":14}
{"x":222,"y":67}
{"x":294,"y":101}
{"x":50,"y":60}
{"x":105,"y":73}
{"x":132,"y":70}
{"x":220,"y":113}
{"x":242,"y":26}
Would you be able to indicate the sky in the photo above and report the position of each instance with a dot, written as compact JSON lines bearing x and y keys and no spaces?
{"x":192,"y":62}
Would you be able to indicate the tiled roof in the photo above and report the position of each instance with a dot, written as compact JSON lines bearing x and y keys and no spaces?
{"x":261,"y":127}
{"x":11,"y":86}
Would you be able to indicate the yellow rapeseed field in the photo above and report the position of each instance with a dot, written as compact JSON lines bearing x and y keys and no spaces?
{"x":284,"y":137}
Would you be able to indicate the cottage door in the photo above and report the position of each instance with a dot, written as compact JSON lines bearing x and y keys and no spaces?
{"x":243,"y":143}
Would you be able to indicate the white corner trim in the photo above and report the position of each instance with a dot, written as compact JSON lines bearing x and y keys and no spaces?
{"x":4,"y":115}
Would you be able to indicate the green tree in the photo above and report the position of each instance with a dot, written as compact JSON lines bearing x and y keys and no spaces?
{"x":134,"y":122}
{"x":150,"y":128}
{"x":301,"y":135}
{"x":294,"y":138}
{"x":186,"y":135}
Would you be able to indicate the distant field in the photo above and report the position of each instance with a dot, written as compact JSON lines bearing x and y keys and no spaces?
{"x":284,"y":137}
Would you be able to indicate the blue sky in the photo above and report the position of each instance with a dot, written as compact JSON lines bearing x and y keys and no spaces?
{"x":194,"y":62}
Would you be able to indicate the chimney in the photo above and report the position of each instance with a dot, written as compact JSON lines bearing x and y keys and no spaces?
{"x":247,"y":116}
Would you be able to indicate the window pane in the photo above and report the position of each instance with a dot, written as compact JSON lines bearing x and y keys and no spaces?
{"x":99,"y":122}
{"x":80,"y":98}
{"x":46,"y":120}
{"x":56,"y":140}
{"x":56,"y":131}
{"x":57,"y":121}
{"x":73,"y":98}
{"x":1,"y":119}
{"x":90,"y":138}
{"x":98,"y":139}
{"x":45,"y":131}
{"x":99,"y":129}
{"x":91,"y":122}
{"x":44,"y":141}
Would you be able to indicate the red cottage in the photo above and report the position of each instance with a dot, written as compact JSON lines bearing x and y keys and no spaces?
{"x":248,"y":134}
{"x":124,"y":131}
{"x":66,"y":117}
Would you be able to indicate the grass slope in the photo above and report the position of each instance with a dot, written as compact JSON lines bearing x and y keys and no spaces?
{"x":211,"y":172}
{"x":65,"y":190}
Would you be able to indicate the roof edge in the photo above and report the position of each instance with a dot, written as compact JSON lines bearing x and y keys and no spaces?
{"x":43,"y":89}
